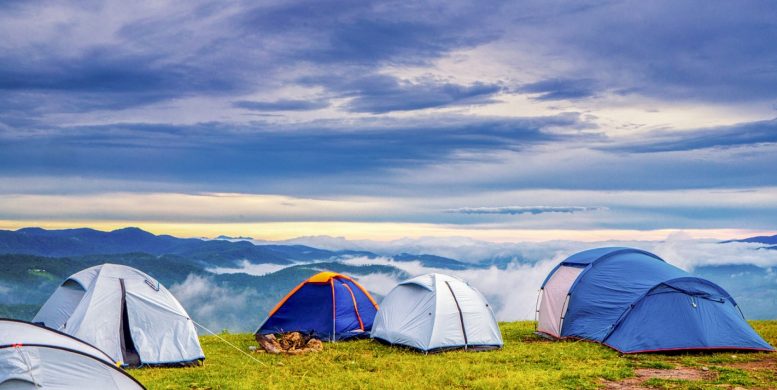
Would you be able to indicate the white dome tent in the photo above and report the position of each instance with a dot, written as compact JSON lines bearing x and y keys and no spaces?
{"x":125,"y":313}
{"x":34,"y":357}
{"x":436,"y":312}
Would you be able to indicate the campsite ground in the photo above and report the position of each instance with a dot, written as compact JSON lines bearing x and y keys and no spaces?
{"x":526,"y":361}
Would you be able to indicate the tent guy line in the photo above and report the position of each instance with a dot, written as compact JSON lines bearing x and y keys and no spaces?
{"x":228,"y":343}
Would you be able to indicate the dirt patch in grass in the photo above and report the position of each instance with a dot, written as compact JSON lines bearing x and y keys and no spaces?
{"x":681,"y":373}
{"x":642,"y":375}
{"x":537,"y":339}
{"x":755,"y":365}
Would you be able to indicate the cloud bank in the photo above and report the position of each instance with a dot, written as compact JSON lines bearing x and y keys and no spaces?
{"x":512,"y":289}
{"x":516,"y":210}
{"x":216,"y":306}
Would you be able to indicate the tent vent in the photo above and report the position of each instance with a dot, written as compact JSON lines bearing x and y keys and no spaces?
{"x":152,"y":285}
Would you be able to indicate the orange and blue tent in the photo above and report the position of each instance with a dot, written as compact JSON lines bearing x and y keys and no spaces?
{"x":328,"y":305}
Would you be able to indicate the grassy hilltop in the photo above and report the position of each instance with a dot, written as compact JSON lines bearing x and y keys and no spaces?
{"x":526,"y":361}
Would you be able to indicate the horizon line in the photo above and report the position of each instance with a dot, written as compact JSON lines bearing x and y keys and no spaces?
{"x":388,"y":231}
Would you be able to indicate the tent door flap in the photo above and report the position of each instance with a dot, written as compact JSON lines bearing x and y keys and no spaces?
{"x":128,"y":351}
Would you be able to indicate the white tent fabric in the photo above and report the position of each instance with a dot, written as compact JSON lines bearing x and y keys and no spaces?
{"x":554,"y":299}
{"x":101,"y":304}
{"x":436,"y":312}
{"x":33,"y":357}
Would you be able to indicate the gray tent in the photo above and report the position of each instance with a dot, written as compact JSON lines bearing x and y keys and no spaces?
{"x":34,"y":357}
{"x":125,"y":313}
{"x":436,"y":312}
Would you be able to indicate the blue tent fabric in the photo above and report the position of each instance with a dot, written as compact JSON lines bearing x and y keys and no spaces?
{"x":603,"y":290}
{"x":346,"y":319}
{"x":584,"y":259}
{"x":328,"y":306}
{"x":703,"y":319}
{"x":633,"y":301}
{"x":308,"y":311}
{"x":597,"y":254}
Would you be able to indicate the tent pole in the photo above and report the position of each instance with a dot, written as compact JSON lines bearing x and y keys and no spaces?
{"x":537,"y":310}
{"x":461,"y":315}
{"x":563,"y":314}
{"x":740,"y":312}
{"x":334,"y":311}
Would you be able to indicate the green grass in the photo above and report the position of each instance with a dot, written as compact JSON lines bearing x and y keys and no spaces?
{"x":526,"y":361}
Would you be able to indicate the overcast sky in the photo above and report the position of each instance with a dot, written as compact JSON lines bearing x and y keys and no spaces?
{"x":498,"y":121}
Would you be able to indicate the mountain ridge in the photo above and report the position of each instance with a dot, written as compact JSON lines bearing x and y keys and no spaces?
{"x":210,"y":253}
{"x":768,"y":240}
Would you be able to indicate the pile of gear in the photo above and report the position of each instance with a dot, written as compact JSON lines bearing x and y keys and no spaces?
{"x":293,"y":343}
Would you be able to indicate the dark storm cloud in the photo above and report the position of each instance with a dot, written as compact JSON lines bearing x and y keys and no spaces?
{"x":381,"y":93}
{"x":371,"y":33}
{"x":223,"y":152}
{"x":666,"y":49}
{"x":339,"y":53}
{"x":165,"y":57}
{"x":704,"y":51}
{"x":560,"y":89}
{"x":742,"y":134}
{"x":281,"y":105}
{"x":518,"y":210}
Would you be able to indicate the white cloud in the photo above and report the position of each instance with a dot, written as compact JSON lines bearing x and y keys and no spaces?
{"x":512,"y":291}
{"x":688,"y":253}
{"x":214,"y":306}
{"x":245,"y":266}
{"x":378,"y":283}
{"x":677,"y":248}
{"x":459,"y":248}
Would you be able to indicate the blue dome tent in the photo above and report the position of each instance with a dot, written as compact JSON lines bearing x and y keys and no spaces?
{"x":633,"y":301}
{"x":328,"y":305}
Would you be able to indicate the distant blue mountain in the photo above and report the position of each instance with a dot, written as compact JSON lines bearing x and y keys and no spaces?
{"x":768,"y":240}
{"x":76,"y":242}
{"x":500,"y":262}
{"x":35,"y":261}
{"x":208,"y":253}
{"x":434,"y":261}
{"x":307,"y":253}
{"x":81,"y":242}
